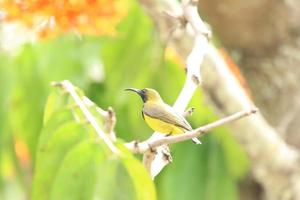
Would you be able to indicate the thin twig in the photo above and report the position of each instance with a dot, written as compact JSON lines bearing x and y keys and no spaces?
{"x":146,"y":145}
{"x":67,"y":85}
{"x":110,"y":122}
{"x":108,"y":116}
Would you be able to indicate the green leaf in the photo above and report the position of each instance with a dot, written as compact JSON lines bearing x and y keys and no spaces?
{"x":72,"y":163}
{"x":51,"y":153}
{"x":77,"y":175}
{"x":139,"y":175}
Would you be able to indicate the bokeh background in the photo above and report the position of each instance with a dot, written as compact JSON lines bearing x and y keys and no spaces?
{"x":116,"y":45}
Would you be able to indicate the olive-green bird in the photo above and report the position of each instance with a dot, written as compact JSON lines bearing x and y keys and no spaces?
{"x":160,"y":116}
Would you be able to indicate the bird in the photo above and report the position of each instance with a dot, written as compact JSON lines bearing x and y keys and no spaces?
{"x":160,"y":116}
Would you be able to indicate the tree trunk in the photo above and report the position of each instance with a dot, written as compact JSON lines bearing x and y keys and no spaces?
{"x":264,"y":38}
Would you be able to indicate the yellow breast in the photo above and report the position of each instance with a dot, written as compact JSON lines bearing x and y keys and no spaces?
{"x":162,"y":127}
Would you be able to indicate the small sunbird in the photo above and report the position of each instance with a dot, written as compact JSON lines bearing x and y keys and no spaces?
{"x":160,"y":116}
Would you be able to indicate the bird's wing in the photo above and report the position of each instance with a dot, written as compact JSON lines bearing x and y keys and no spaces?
{"x":167,"y":114}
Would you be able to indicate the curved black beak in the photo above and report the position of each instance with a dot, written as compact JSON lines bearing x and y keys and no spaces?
{"x":134,"y":90}
{"x":139,"y":92}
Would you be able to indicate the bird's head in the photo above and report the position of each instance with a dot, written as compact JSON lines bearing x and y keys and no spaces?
{"x":147,"y":94}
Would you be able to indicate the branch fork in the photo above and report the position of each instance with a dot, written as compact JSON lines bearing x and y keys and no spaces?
{"x":155,"y":150}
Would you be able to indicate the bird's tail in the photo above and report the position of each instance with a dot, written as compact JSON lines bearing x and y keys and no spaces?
{"x":196,"y":141}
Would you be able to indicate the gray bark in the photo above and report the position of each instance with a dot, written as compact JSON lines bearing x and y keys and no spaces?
{"x":264,"y":38}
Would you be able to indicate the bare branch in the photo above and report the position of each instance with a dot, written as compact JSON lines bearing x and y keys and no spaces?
{"x":195,"y":58}
{"x":89,"y":103}
{"x":69,"y":88}
{"x":156,"y":159}
{"x":110,"y":122}
{"x":153,"y":144}
{"x":108,"y":116}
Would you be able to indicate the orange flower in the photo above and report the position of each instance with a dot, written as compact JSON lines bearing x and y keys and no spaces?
{"x":94,"y":17}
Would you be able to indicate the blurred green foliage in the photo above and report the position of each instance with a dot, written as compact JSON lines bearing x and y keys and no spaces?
{"x":70,"y":155}
{"x":103,"y":67}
